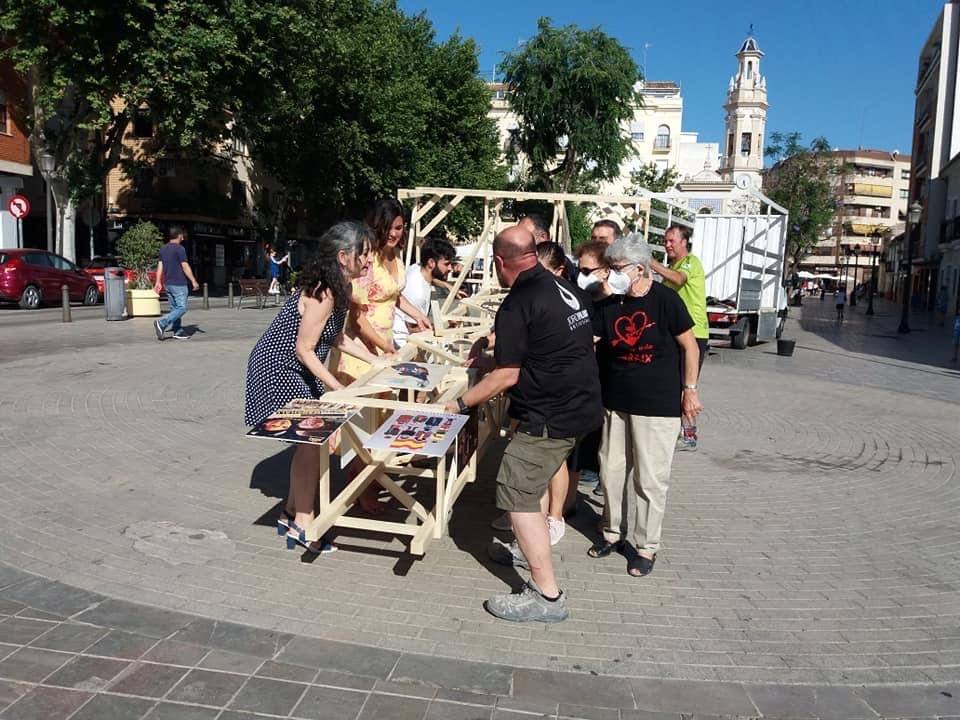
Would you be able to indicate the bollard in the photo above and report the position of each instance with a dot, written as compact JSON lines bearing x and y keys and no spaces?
{"x":229,"y":294}
{"x":206,"y":297}
{"x":65,"y":300}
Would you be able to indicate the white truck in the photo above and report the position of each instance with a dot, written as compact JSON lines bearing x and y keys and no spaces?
{"x":742,"y":258}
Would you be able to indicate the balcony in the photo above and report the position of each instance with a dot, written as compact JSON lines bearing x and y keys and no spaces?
{"x":950,"y":230}
{"x":661,"y":143}
{"x":869,"y":190}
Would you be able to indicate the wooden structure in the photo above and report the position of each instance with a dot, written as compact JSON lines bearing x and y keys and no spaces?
{"x":454,"y":333}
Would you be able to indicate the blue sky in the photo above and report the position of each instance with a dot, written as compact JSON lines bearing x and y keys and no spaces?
{"x":843,"y":69}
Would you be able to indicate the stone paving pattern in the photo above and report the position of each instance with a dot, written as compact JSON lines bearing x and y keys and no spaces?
{"x":809,"y":567}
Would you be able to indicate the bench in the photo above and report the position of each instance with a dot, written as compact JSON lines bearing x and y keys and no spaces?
{"x":256,"y":287}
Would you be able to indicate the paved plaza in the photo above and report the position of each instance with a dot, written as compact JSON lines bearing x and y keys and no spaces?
{"x":810,"y":566}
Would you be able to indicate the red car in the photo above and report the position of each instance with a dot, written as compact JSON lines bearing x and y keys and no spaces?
{"x":31,"y":277}
{"x":95,"y":270}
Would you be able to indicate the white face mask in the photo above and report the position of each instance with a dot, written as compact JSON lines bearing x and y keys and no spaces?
{"x":619,"y":282}
{"x":588,"y":283}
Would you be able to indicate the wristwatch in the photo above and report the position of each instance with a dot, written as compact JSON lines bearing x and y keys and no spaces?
{"x":462,"y":406}
{"x":689,"y":387}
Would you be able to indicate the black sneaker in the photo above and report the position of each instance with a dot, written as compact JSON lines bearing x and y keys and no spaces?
{"x":180,"y":336}
{"x":158,"y":329}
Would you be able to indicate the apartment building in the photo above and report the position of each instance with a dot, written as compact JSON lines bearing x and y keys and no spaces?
{"x":225,"y":206}
{"x":872,"y":194}
{"x":15,"y":162}
{"x":936,"y":175}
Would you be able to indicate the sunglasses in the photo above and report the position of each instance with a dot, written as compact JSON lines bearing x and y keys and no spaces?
{"x":587,"y":271}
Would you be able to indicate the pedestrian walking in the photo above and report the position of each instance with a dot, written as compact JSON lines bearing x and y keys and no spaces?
{"x":840,"y":300}
{"x":642,"y":330}
{"x":288,"y":361}
{"x":545,"y":362}
{"x":173,"y":273}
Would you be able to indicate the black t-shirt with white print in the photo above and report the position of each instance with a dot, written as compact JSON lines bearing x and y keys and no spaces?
{"x":638,"y":354}
{"x":544,"y":327}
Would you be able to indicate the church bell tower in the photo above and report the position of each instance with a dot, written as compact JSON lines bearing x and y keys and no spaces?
{"x":746,"y":119}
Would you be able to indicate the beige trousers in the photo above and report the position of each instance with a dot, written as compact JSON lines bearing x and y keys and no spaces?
{"x":637,"y":450}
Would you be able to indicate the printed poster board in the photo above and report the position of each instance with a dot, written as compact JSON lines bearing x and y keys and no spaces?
{"x":429,"y":434}
{"x":410,"y":376}
{"x":307,"y":421}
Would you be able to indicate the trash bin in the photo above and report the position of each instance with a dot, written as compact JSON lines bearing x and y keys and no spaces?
{"x":785,"y":347}
{"x":114,"y":293}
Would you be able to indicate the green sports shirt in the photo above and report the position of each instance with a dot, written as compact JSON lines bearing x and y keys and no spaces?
{"x":693,"y":293}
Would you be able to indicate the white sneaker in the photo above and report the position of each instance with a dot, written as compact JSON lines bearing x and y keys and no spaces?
{"x":502,"y":523}
{"x":556,"y":528}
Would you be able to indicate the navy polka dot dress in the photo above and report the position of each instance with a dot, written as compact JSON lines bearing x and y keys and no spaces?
{"x":274,"y":374}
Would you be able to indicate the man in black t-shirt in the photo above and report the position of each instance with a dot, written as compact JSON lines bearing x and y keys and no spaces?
{"x":545,"y":361}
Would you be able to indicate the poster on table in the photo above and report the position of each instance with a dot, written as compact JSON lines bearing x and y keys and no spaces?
{"x":410,"y":376}
{"x":304,"y":421}
{"x":428,"y":434}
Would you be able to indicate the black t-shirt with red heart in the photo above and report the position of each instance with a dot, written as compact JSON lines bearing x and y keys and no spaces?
{"x":638,"y":353}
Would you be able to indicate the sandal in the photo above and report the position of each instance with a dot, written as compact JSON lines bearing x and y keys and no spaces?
{"x":639,"y":566}
{"x":603,"y":548}
{"x":284,"y":522}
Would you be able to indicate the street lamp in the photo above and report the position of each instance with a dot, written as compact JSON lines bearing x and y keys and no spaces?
{"x":47,"y":163}
{"x":874,"y":255}
{"x":913,"y":217}
{"x":856,"y":258}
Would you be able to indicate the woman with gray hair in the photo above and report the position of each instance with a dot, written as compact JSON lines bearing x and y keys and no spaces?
{"x":644,"y":329}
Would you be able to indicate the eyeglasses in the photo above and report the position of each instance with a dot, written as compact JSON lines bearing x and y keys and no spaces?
{"x":621,"y":268}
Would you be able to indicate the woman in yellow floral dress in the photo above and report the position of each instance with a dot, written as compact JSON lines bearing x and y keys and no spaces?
{"x":376,"y":295}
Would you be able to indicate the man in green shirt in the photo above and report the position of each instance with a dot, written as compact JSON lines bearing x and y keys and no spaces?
{"x":686,"y":276}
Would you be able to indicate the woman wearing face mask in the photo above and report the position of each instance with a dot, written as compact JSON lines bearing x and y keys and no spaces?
{"x":592,"y":269}
{"x":642,"y":328}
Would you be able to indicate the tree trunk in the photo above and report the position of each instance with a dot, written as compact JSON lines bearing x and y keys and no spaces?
{"x":66,"y":215}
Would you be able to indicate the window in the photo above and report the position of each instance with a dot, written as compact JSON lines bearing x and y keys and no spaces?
{"x":38,"y":258}
{"x":62,"y":263}
{"x":142,"y":123}
{"x":662,"y":165}
{"x":239,"y":193}
{"x":745,"y":141}
{"x":143,"y":182}
{"x":3,"y":114}
{"x":749,"y":69}
{"x":637,"y":131}
{"x":904,"y":174}
{"x":904,"y":194}
{"x":662,"y":140}
{"x":729,"y":145}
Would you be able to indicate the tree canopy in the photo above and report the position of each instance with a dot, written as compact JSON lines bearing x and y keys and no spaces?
{"x":572,"y":90}
{"x":341,"y":100}
{"x":803,"y":180}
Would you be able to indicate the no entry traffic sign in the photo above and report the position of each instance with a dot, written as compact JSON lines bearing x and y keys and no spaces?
{"x":18,"y":206}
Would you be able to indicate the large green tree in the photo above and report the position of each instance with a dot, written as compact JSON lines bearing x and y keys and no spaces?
{"x":804,"y":181}
{"x":191,"y":65}
{"x":379,"y":104}
{"x":573,"y":91}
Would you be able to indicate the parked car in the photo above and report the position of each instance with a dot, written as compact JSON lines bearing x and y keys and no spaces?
{"x":95,"y":268}
{"x":32,"y":277}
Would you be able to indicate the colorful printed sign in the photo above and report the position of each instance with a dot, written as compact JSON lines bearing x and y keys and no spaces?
{"x":410,"y":376}
{"x":418,"y":434}
{"x":304,"y":421}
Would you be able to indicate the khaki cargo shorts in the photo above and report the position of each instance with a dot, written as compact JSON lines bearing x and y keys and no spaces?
{"x":528,"y":464}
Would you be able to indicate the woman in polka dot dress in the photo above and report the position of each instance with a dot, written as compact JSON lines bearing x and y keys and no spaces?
{"x":288,"y":360}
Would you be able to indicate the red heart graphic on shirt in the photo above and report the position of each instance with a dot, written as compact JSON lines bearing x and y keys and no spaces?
{"x":630,"y":328}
